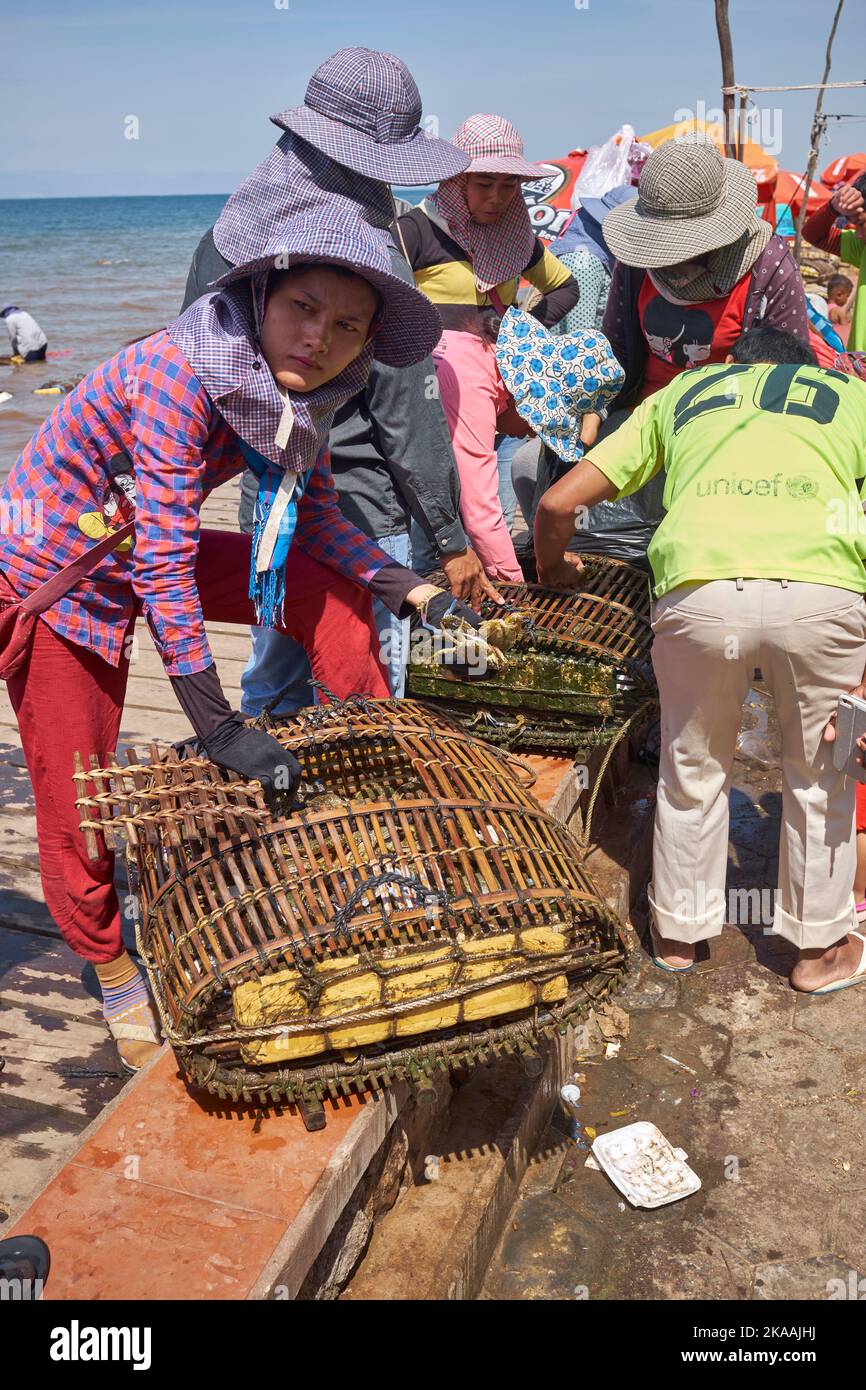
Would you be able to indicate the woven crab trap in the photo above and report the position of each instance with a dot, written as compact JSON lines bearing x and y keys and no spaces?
{"x":568,"y":669}
{"x":418,"y":910}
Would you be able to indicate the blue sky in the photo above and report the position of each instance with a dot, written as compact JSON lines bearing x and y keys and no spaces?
{"x":202,"y":76}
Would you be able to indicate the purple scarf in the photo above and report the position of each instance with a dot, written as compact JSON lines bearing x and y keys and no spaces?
{"x":219,"y":339}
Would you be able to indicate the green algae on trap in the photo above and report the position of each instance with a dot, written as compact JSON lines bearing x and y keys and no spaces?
{"x":526,"y":680}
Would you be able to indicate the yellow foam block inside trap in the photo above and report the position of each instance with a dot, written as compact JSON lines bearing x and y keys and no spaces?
{"x":343,"y":986}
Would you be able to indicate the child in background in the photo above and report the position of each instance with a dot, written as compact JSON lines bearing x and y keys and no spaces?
{"x":839,"y":291}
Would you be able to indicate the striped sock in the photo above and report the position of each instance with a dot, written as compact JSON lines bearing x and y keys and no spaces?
{"x":124,"y":993}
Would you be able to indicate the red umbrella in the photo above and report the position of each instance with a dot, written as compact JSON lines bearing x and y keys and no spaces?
{"x":789,"y":190}
{"x":549,"y":197}
{"x":843,"y":170}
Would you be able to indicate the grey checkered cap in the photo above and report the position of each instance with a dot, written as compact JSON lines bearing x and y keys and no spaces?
{"x":363,"y":108}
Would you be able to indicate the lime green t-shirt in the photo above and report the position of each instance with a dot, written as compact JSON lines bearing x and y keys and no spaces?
{"x":851,"y":251}
{"x":763,"y":471}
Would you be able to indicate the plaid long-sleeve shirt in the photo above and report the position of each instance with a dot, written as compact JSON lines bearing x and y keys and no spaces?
{"x":145,"y":402}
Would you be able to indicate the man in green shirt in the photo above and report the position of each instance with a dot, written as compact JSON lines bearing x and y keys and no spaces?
{"x":758,"y":563}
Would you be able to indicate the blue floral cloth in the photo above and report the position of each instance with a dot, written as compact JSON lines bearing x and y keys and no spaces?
{"x":555,"y":381}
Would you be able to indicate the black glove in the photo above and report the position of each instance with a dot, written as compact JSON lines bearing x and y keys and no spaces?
{"x":445,"y":605}
{"x":238,"y":747}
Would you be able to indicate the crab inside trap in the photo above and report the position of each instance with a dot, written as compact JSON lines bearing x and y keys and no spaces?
{"x":416,"y":910}
{"x":562,"y":667}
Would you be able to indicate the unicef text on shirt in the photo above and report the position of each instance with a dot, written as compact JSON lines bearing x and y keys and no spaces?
{"x":845,"y":516}
{"x":799,"y":487}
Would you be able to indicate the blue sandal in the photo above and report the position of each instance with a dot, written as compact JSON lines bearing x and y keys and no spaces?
{"x":660,"y":964}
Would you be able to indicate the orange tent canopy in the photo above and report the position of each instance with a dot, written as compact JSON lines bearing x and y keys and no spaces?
{"x":843,"y":170}
{"x":762,"y":165}
{"x":549,"y":197}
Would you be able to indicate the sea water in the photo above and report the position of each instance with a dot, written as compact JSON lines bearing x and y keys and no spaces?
{"x":95,"y":273}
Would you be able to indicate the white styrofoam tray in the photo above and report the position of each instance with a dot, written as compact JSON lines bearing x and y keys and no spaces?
{"x":645,"y":1167}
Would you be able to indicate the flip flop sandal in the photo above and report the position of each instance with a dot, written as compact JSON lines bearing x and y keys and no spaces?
{"x":858,"y":977}
{"x":660,"y":964}
{"x":122,"y":1031}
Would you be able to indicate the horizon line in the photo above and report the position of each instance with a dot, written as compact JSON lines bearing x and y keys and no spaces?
{"x":73,"y":197}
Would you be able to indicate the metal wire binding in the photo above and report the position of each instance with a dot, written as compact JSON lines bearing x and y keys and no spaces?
{"x":343,"y":916}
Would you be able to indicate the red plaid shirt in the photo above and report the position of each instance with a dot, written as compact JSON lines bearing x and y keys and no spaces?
{"x":147,"y":403}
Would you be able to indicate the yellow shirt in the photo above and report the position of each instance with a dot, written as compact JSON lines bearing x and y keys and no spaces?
{"x":763,"y":472}
{"x":443,"y":272}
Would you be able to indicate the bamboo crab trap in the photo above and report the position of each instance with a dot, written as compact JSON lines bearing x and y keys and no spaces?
{"x":418,"y":911}
{"x":572,"y":670}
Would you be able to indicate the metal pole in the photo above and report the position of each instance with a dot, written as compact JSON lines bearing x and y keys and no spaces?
{"x":741,"y":126}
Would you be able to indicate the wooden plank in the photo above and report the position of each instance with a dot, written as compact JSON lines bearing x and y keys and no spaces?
{"x":230,"y":672}
{"x":32,"y":1143}
{"x":155,"y":694}
{"x":21,"y":900}
{"x":10,"y":754}
{"x":38,"y":1045}
{"x":17,"y":847}
{"x":34,"y":919}
{"x":22,"y":904}
{"x":17,"y":818}
{"x":43,"y":974}
{"x":230,"y":640}
{"x":231,"y":656}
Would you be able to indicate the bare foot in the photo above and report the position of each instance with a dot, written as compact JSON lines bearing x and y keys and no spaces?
{"x":816,"y":968}
{"x":676,"y":955}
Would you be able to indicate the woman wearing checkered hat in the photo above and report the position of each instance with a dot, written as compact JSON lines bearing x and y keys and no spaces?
{"x":357,"y":131}
{"x":249,"y":375}
{"x":695,"y":268}
{"x":468,"y":246}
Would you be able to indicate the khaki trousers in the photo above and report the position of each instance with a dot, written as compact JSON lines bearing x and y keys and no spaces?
{"x":809,"y":640}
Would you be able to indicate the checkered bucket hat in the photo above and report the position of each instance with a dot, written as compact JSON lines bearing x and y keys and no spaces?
{"x":495,"y":147}
{"x":409,"y":326}
{"x":219,"y":336}
{"x":691,"y":200}
{"x":363,"y":109}
{"x":555,"y":381}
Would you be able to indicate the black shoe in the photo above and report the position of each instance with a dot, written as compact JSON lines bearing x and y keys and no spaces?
{"x":27,"y":1260}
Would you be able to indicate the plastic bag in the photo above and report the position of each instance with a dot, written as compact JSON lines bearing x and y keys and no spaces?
{"x":607,"y":166}
{"x":623,"y":529}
